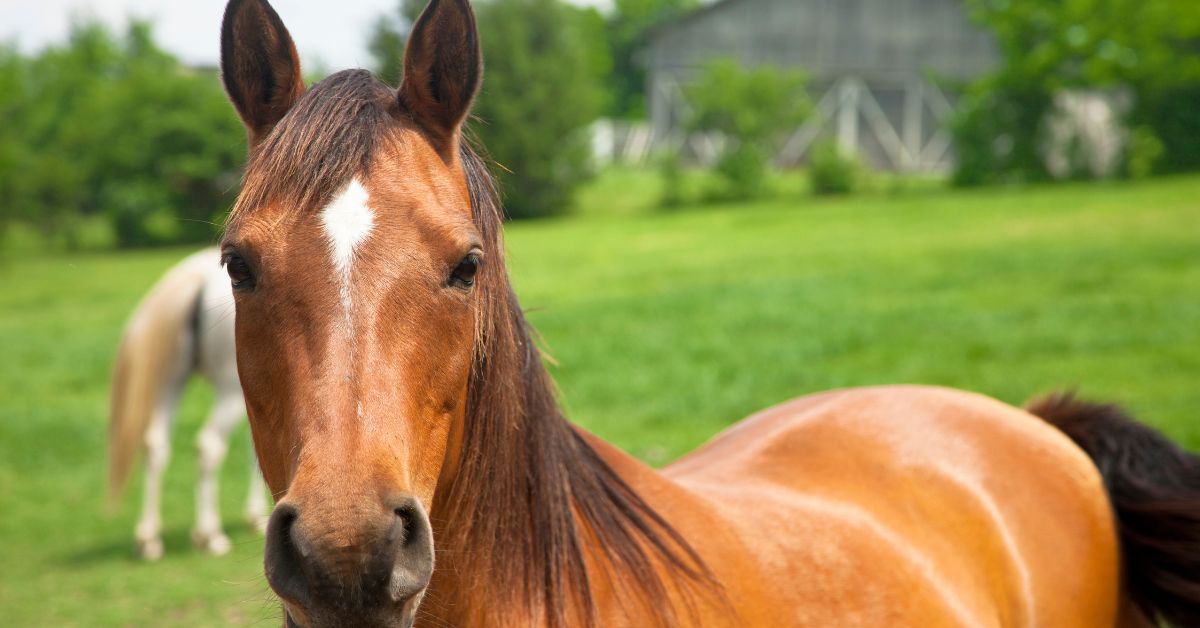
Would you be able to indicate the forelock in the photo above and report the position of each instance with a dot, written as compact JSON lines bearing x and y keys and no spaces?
{"x":327,"y":138}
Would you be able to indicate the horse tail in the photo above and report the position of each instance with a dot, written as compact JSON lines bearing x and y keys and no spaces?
{"x":157,"y":346}
{"x":1154,"y":487}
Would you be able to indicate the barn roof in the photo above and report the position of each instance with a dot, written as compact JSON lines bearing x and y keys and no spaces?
{"x":829,"y":38}
{"x":696,"y":13}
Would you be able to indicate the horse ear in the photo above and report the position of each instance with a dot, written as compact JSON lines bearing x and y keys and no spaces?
{"x":442,"y":70}
{"x":259,"y":65}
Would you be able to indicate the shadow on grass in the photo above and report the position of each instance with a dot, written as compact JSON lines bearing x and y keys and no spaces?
{"x":176,"y":542}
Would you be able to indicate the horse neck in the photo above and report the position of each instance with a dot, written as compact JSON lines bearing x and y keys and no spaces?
{"x":532,"y":514}
{"x":460,"y":593}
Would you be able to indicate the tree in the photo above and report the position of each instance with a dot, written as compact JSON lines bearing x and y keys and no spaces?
{"x":752,"y":109}
{"x":546,"y":62}
{"x":1146,"y":46}
{"x":174,"y":147}
{"x":388,"y":36}
{"x":543,"y":85}
{"x":627,"y":27}
{"x":13,"y":77}
{"x":1165,"y":78}
{"x":115,"y":127}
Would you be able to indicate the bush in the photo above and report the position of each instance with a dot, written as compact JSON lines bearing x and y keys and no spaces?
{"x":389,"y":33}
{"x":998,"y":131}
{"x":671,"y":173}
{"x":830,"y":171}
{"x":543,"y":86}
{"x":1143,"y":153}
{"x":115,"y":127}
{"x":1171,"y":116}
{"x":743,"y":174}
{"x":1048,"y":47}
{"x":753,"y":109}
{"x":627,"y":25}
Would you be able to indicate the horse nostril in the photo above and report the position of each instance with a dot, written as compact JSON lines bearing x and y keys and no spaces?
{"x":404,"y":524}
{"x":282,"y":557}
{"x":414,"y":549}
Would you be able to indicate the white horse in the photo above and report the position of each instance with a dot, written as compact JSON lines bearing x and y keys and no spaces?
{"x":183,"y":326}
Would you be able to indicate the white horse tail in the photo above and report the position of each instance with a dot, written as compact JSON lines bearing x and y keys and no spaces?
{"x":156,"y":354}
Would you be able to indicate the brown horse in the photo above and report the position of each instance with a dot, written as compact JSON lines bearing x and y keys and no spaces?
{"x":399,"y":405}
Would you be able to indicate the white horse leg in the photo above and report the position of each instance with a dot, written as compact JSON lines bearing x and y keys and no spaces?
{"x":158,"y":452}
{"x":257,"y":509}
{"x":213,"y":443}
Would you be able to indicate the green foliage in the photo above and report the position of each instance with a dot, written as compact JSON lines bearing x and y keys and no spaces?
{"x":742,"y":173}
{"x":1146,"y":46}
{"x":1144,"y":152}
{"x":998,"y":133}
{"x":542,"y":87}
{"x":114,"y":126}
{"x":832,"y":172}
{"x":12,"y":149}
{"x":670,"y":170}
{"x":388,"y":35}
{"x":627,"y":28}
{"x":750,"y":105}
{"x":1172,"y":115}
{"x":752,"y":109}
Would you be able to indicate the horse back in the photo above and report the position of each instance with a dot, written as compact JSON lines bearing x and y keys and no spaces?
{"x":908,"y":506}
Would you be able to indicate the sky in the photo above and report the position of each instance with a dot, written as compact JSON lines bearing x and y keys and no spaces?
{"x":331,"y":32}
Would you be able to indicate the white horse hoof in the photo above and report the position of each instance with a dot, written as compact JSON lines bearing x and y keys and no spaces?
{"x":216,"y":544}
{"x":150,"y":549}
{"x":259,"y":523}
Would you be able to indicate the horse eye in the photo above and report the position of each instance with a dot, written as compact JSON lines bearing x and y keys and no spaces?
{"x":463,"y":275}
{"x":239,"y":272}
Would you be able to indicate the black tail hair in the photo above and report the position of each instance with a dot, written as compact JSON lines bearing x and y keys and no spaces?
{"x":1154,"y":487}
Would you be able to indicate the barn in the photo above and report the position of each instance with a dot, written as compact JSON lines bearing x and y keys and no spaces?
{"x":886,"y":74}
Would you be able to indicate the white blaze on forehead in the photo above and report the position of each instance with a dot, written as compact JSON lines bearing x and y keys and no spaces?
{"x":347,"y":221}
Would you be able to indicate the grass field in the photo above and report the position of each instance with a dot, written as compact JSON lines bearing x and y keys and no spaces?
{"x":665,"y":328}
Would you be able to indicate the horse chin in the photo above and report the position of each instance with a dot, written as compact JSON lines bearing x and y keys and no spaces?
{"x":293,"y":617}
{"x":378,"y":621}
{"x":403,"y":615}
{"x":408,"y":610}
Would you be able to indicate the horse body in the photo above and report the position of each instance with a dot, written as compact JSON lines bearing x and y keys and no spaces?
{"x":401,"y":410}
{"x":183,"y":327}
{"x":963,"y":510}
{"x":884,"y":506}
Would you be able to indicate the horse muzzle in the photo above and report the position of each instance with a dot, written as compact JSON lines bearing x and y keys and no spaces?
{"x":369,"y":571}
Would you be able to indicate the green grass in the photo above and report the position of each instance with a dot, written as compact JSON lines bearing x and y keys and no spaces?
{"x":666,"y":327}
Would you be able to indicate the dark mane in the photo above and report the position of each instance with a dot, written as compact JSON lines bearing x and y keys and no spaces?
{"x":519,"y":450}
{"x":562,"y":501}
